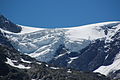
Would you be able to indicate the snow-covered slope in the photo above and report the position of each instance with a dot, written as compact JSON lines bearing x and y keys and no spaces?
{"x":26,"y":29}
{"x":43,"y":43}
{"x":83,"y":35}
{"x":94,"y":47}
{"x":91,"y":32}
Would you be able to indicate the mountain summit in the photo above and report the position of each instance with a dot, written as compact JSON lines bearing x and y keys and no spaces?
{"x":6,"y":24}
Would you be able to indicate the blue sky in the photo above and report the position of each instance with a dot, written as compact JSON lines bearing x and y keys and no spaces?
{"x":60,"y":13}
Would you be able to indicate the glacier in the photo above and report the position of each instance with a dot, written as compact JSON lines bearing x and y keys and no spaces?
{"x":42,"y":43}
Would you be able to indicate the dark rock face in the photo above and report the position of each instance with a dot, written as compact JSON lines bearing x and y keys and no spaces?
{"x":91,"y":57}
{"x":5,"y":24}
{"x":8,"y":72}
{"x":38,"y":71}
{"x":113,"y":49}
{"x":115,"y":75}
{"x":88,"y":59}
{"x":4,"y":40}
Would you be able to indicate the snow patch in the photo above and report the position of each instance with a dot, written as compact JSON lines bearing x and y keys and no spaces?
{"x":110,"y":68}
{"x":71,"y":59}
{"x":39,"y":63}
{"x":54,"y":68}
{"x":69,"y":71}
{"x":46,"y":65}
{"x":25,"y":61}
{"x":59,"y":55}
{"x":10,"y":62}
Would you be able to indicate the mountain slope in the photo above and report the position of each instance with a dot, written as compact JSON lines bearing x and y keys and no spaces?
{"x":92,"y":47}
{"x":16,"y":66}
{"x":47,"y":41}
{"x":6,"y":24}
